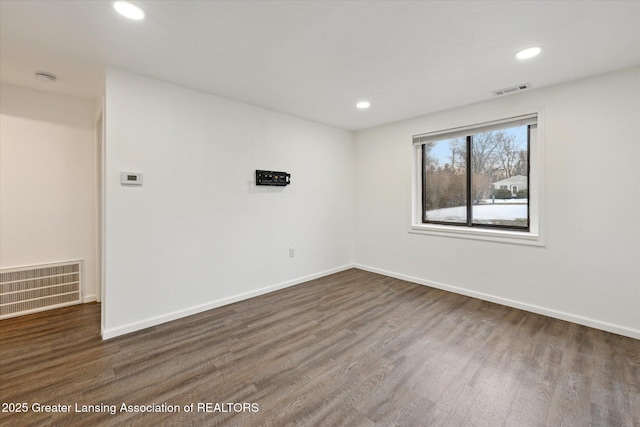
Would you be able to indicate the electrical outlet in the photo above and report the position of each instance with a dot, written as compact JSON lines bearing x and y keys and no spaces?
{"x":292,"y":252}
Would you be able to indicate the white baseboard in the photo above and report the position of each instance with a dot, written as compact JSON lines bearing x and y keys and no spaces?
{"x":153,"y":321}
{"x":580,"y":320}
{"x":89,"y":298}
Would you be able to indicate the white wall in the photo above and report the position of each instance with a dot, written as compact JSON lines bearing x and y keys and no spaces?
{"x":47,"y":181}
{"x":589,"y":271}
{"x":199,"y":233}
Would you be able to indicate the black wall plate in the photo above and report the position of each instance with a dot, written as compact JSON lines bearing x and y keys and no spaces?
{"x":273,"y":178}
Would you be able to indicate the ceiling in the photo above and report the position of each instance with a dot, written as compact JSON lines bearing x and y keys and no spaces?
{"x":316,"y":59}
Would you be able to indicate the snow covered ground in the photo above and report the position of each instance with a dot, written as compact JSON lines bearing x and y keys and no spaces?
{"x":482,"y":213}
{"x":503,"y":201}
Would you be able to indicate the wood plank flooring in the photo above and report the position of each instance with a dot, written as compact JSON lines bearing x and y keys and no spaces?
{"x":353,"y":348}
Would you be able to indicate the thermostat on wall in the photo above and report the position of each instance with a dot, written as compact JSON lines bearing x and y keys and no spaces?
{"x":130,"y":178}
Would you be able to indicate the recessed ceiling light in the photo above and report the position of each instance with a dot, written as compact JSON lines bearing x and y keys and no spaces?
{"x":363,"y":105}
{"x":528,"y":53}
{"x":45,"y":77}
{"x":129,"y":10}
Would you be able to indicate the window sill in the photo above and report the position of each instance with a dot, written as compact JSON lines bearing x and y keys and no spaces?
{"x":501,"y":236}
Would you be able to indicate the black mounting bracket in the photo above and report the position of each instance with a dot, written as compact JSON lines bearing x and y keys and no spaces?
{"x":273,"y":178}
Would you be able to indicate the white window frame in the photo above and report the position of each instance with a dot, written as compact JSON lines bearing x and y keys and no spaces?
{"x":535,"y":236}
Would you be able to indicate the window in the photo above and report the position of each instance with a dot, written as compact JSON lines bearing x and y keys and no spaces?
{"x":477,"y":179}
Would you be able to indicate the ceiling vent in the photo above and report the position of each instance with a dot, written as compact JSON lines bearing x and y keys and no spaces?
{"x":512,"y":89}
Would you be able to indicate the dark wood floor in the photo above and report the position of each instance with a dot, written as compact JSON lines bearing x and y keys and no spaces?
{"x":354,"y":348}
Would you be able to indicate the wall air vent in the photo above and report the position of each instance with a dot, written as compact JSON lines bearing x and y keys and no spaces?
{"x":512,"y":89}
{"x":35,"y":288}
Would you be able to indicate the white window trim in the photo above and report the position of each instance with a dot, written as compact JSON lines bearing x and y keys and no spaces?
{"x":536,"y":234}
